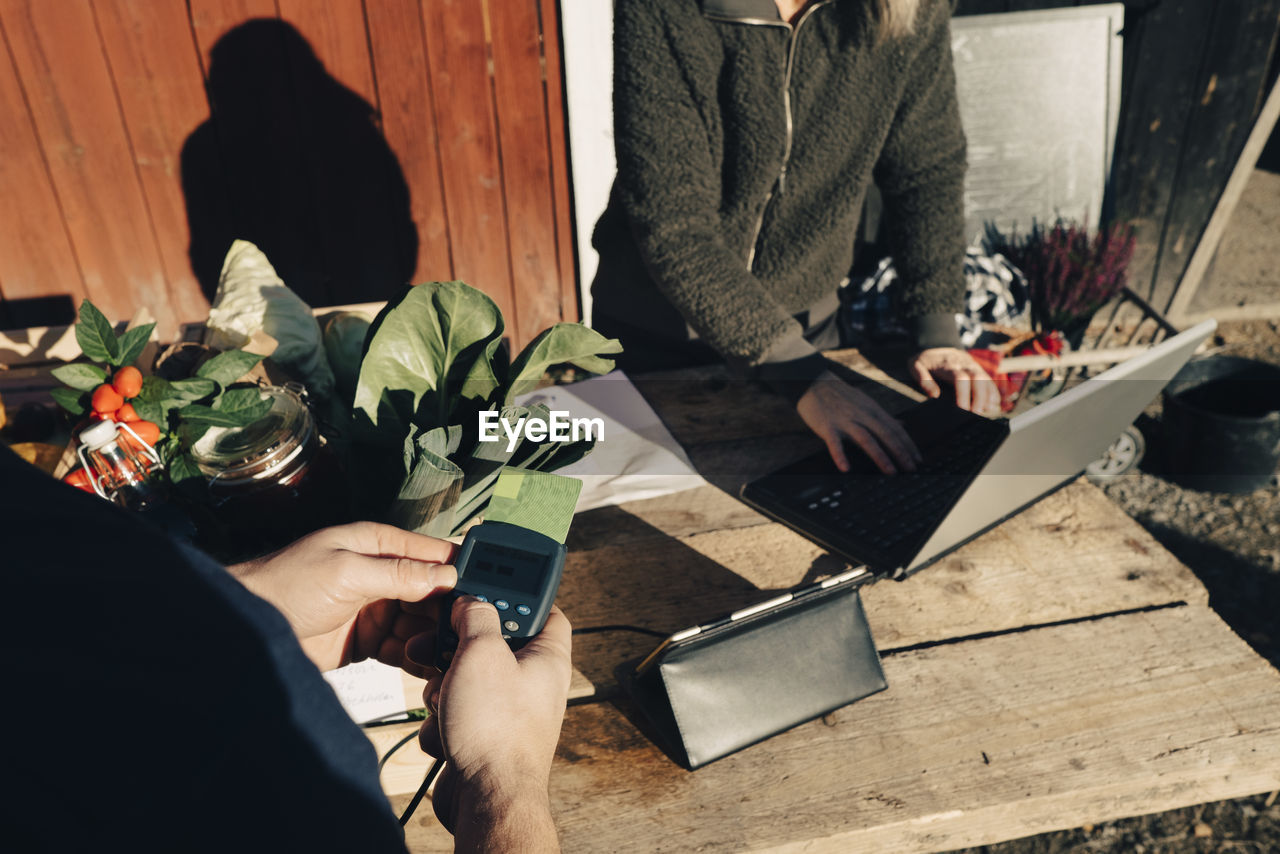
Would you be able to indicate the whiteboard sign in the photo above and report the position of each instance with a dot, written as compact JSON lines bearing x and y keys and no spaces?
{"x":1039,"y":98}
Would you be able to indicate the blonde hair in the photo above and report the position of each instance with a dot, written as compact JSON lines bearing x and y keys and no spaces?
{"x":895,"y":17}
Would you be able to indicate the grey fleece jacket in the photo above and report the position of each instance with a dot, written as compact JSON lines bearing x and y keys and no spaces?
{"x":745,"y":148}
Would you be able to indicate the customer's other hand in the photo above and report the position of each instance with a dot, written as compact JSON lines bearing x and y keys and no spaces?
{"x":835,"y":410}
{"x":974,"y":390}
{"x":496,"y":719}
{"x":355,"y":591}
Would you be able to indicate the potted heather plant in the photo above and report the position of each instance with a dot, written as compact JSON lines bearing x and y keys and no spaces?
{"x":1070,"y":274}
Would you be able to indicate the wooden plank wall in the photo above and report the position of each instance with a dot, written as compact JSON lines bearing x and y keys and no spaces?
{"x":1194,"y":78}
{"x":361,"y":143}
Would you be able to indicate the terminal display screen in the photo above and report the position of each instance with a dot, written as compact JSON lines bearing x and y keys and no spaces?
{"x":502,"y":566}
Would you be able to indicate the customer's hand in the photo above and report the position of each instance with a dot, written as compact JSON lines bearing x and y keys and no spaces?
{"x":974,"y":390}
{"x":355,"y":591}
{"x":835,"y":410}
{"x":496,"y":719}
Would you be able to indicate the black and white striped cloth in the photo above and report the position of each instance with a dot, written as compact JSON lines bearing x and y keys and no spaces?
{"x":995,"y":292}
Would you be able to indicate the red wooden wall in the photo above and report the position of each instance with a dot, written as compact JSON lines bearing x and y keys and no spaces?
{"x":345,"y":135}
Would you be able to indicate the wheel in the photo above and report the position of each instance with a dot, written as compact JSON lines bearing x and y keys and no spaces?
{"x":1124,"y":455}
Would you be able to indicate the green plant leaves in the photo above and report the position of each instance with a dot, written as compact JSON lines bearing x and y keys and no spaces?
{"x":193,"y":388}
{"x":80,"y":376}
{"x":197,"y":414}
{"x":225,"y":368}
{"x":75,"y":402}
{"x":427,"y":351}
{"x":183,"y":472}
{"x":247,"y":404}
{"x":96,"y":336}
{"x":573,"y":343}
{"x":433,"y":361}
{"x":156,"y":400}
{"x":132,"y":343}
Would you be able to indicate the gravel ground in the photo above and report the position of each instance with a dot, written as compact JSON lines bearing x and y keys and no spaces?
{"x":1232,"y":543}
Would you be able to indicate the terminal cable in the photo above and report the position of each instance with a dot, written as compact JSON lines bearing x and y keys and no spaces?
{"x":432,"y":773}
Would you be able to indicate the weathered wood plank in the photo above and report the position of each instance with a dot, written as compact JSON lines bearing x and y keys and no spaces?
{"x":526,"y":165}
{"x":219,"y":158}
{"x":1233,"y":74}
{"x":1207,"y":245}
{"x":557,"y":138}
{"x":409,"y":125}
{"x":336,"y":31}
{"x":69,"y":89}
{"x":1160,"y":88}
{"x":365,"y":244}
{"x":158,"y":81}
{"x":973,"y":743}
{"x":212,"y":19}
{"x":457,"y":53}
{"x":33,"y":238}
{"x":1070,"y":557}
{"x":693,"y":511}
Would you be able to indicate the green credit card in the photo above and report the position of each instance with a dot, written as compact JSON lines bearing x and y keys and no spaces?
{"x":535,"y":500}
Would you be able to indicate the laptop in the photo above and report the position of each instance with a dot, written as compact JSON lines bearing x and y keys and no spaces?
{"x":977,"y":472}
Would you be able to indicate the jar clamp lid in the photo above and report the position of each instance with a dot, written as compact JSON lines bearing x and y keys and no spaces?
{"x":262,"y":450}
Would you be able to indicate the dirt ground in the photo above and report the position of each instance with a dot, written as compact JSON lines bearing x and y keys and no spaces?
{"x":1231,"y":542}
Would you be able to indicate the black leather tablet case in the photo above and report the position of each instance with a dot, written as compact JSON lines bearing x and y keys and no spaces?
{"x":732,"y":686}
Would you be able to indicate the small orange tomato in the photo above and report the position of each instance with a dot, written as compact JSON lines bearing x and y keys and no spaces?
{"x":79,"y":479}
{"x":126,"y":413}
{"x":147,"y":432}
{"x":106,"y":399}
{"x":127,"y":382}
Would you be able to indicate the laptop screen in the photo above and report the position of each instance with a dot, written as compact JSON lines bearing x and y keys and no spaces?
{"x":1053,"y":442}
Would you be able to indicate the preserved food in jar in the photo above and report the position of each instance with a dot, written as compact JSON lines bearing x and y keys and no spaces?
{"x":271,"y":481}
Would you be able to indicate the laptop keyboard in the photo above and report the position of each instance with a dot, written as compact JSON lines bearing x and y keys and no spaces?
{"x":889,"y":511}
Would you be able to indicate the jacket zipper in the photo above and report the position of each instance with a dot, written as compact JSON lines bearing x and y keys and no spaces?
{"x":781,"y":183}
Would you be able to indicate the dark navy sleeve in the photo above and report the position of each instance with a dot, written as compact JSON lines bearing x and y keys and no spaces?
{"x":155,"y":704}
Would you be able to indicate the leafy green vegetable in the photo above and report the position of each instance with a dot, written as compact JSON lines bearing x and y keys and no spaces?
{"x":426,"y":351}
{"x":565,"y":342}
{"x":433,"y":361}
{"x":344,"y":336}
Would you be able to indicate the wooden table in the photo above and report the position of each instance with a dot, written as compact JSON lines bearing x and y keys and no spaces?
{"x":1061,"y":669}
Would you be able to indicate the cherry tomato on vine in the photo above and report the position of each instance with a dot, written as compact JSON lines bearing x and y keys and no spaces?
{"x":106,"y":399}
{"x":126,"y":412}
{"x":146,"y":430}
{"x":127,"y":382}
{"x":79,"y":479}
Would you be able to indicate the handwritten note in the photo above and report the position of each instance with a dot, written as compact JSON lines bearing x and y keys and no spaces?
{"x":368,"y":690}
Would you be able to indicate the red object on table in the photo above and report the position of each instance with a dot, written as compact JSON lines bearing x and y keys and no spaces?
{"x":1010,"y":385}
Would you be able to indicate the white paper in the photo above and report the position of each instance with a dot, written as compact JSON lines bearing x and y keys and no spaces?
{"x":369,"y":690}
{"x":637,"y":458}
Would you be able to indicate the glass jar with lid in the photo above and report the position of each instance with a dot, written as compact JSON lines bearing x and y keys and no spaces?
{"x":271,"y":481}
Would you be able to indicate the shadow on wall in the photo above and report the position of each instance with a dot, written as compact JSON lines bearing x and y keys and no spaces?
{"x":293,"y":161}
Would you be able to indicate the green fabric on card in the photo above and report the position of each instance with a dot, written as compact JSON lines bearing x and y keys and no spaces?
{"x":535,"y":500}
